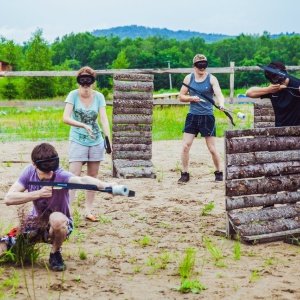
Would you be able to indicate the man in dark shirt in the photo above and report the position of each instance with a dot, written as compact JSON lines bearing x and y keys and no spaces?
{"x":284,"y":94}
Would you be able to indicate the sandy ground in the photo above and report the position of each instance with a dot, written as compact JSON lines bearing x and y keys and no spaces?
{"x":135,"y":251}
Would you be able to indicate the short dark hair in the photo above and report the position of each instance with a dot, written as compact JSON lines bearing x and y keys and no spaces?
{"x":43,"y":151}
{"x":277,"y":65}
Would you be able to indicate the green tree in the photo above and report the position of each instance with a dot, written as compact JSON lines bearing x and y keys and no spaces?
{"x":121,"y":62}
{"x":38,"y":58}
{"x":11,"y":53}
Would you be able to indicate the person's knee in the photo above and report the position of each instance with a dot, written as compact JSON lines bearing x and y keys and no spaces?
{"x":58,"y":221}
{"x":186,"y":147}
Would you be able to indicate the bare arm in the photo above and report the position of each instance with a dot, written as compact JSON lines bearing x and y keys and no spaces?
{"x":16,"y":194}
{"x":91,"y":180}
{"x":70,"y":121}
{"x":104,"y":121}
{"x":217,"y":91}
{"x":183,"y":94}
{"x":257,"y":92}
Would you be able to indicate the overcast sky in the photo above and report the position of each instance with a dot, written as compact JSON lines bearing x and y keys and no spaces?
{"x":20,"y":18}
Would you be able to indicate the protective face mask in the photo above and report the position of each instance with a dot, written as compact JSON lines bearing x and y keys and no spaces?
{"x":48,"y":165}
{"x":85,"y":80}
{"x":201,"y":64}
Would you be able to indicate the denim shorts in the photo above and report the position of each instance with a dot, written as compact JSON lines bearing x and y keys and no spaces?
{"x":203,"y":124}
{"x":82,"y":153}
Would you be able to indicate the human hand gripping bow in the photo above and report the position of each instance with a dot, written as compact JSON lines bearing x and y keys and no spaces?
{"x":226,"y":112}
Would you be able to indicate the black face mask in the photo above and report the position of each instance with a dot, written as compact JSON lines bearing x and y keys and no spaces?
{"x":48,"y":165}
{"x":201,"y":64}
{"x":85,"y":80}
{"x":275,"y":78}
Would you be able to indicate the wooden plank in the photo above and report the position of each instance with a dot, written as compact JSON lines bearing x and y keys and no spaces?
{"x":258,"y":229}
{"x":134,"y":77}
{"x":262,"y":185}
{"x":132,"y":147}
{"x":252,"y":158}
{"x":132,"y":140}
{"x":129,"y":119}
{"x":240,"y":202}
{"x":119,"y":95}
{"x":267,"y":132}
{"x":243,"y":145}
{"x":266,"y":214}
{"x":263,"y":105}
{"x":264,"y":124}
{"x":132,"y":111}
{"x":133,"y":103}
{"x":133,"y":86}
{"x":264,"y":169}
{"x":132,"y":155}
{"x":263,"y":111}
{"x":135,"y":172}
{"x":139,"y":134}
{"x":121,"y":163}
{"x":131,"y":127}
{"x":271,"y":237}
{"x":264,"y":118}
{"x":223,"y":70}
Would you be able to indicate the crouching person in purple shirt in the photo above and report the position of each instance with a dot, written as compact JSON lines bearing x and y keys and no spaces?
{"x":50,"y":220}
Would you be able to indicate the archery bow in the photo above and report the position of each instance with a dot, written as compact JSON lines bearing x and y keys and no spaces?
{"x":116,"y":190}
{"x":226,"y":112}
{"x":281,"y":73}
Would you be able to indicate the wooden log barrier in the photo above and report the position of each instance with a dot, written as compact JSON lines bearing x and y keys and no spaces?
{"x":263,"y":114}
{"x":262,"y":169}
{"x":132,"y":126}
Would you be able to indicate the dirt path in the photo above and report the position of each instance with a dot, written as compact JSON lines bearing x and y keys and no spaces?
{"x":134,"y":253}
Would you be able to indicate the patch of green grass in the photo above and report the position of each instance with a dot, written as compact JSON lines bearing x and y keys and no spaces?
{"x":34,"y":124}
{"x":207,"y":209}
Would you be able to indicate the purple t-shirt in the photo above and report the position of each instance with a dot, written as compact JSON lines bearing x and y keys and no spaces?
{"x":59,"y":201}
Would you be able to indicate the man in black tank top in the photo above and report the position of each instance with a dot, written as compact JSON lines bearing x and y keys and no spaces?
{"x":200,"y":118}
{"x":284,"y":94}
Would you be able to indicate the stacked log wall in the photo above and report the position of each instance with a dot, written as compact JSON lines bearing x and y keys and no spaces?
{"x":263,"y":114}
{"x":132,"y":125}
{"x":262,"y":180}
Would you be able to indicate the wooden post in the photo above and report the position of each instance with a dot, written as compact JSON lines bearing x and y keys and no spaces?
{"x":231,"y":86}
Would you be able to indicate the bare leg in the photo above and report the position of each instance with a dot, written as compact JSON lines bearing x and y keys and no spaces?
{"x":186,"y":146}
{"x":92,"y":170}
{"x":3,"y":247}
{"x":58,"y":230}
{"x":75,"y":168}
{"x":211,"y":145}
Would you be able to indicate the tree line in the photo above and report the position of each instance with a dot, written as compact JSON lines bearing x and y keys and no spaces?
{"x":73,"y":51}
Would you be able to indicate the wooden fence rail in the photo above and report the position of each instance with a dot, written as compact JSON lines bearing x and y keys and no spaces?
{"x":224,"y":70}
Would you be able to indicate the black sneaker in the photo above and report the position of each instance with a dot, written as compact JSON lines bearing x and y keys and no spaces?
{"x":218,"y":176}
{"x":56,"y":262}
{"x":185,"y":177}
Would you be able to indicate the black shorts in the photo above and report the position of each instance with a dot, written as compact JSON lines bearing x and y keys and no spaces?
{"x":205,"y":124}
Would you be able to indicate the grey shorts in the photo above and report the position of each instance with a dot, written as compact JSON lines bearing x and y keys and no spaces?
{"x":79,"y":152}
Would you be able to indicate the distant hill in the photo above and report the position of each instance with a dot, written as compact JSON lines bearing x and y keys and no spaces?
{"x":134,"y":31}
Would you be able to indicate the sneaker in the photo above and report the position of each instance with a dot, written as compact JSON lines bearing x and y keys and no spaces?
{"x":56,"y":262}
{"x":218,"y":176}
{"x":185,"y":177}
